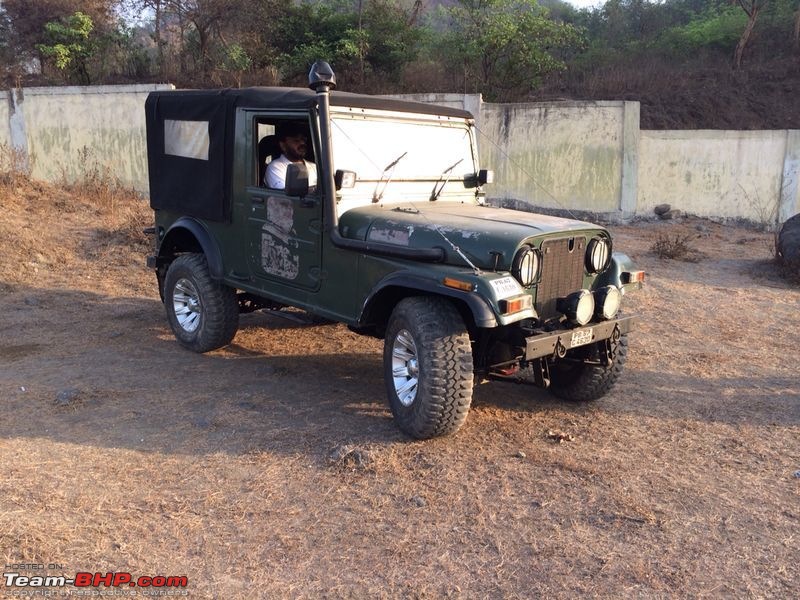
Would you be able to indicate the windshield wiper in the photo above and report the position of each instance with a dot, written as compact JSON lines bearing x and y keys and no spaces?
{"x":376,"y":197}
{"x":436,"y":192}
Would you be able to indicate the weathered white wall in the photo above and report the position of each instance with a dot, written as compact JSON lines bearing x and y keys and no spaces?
{"x":592,"y":156}
{"x":556,"y":155}
{"x":586,"y":156}
{"x":71,"y":131}
{"x":713,"y":173}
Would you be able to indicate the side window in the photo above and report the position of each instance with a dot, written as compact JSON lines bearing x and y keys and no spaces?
{"x":283,"y":141}
{"x":266,"y":146}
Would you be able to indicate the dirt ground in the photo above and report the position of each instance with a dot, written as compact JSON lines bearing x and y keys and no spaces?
{"x":272,"y":468}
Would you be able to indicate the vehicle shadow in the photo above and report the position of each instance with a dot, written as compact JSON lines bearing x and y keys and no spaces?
{"x":106,"y":371}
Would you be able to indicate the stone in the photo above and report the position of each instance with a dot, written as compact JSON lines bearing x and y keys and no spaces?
{"x":67,"y":396}
{"x":662,"y":209}
{"x":670,"y":214}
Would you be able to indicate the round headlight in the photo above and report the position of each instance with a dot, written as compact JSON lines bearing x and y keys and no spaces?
{"x":526,"y":266}
{"x":608,"y":301}
{"x":585,"y":309}
{"x":578,"y":306}
{"x":598,"y":255}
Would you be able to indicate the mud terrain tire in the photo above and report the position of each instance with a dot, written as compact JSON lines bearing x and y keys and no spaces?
{"x":203,"y":314}
{"x":582,"y":382}
{"x":788,"y":244}
{"x":428,"y":371}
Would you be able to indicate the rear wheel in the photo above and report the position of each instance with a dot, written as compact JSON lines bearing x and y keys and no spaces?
{"x":427,"y":361}
{"x":203,"y":314}
{"x":585,"y":381}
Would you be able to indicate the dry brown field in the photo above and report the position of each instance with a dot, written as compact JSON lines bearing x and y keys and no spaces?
{"x":272,"y":468}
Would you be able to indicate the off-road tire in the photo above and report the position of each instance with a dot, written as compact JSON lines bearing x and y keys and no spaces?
{"x":445,"y":370}
{"x":582,"y":382}
{"x":218,"y":308}
{"x":788,"y":244}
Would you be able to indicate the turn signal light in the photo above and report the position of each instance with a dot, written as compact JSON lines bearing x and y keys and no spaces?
{"x":516,"y":304}
{"x":464,"y":286}
{"x":632,"y":276}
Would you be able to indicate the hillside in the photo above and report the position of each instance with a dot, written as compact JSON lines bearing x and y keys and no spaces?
{"x":709,"y":96}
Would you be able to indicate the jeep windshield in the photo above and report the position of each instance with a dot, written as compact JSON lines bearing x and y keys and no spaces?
{"x":370,"y":144}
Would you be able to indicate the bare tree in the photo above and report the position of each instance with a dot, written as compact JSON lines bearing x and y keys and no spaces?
{"x":752,"y":9}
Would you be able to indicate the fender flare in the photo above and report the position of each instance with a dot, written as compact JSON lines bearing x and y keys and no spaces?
{"x":613,"y":274}
{"x":482,"y":313}
{"x":200,"y":233}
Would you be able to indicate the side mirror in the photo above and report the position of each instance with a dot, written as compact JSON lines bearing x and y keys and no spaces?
{"x":478,"y":179}
{"x":344,"y":179}
{"x":297,"y":180}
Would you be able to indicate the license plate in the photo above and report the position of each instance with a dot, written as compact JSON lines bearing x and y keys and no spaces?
{"x":581,"y":338}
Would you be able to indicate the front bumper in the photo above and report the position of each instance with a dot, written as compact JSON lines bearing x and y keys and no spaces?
{"x":557,"y":343}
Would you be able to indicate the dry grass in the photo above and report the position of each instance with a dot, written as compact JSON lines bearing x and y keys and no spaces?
{"x":675,"y":247}
{"x":272,"y":468}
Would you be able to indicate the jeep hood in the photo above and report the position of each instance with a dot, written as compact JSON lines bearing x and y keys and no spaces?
{"x":480,"y":232}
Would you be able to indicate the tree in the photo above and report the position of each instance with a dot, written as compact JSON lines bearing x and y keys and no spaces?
{"x":505,"y":47}
{"x":28,"y":19}
{"x":70,"y":45}
{"x":751,"y":8}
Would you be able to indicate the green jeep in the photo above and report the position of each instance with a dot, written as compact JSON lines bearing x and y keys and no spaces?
{"x":395,"y":240}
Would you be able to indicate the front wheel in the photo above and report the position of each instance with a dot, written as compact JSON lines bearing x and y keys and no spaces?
{"x":427,"y":362}
{"x":586,"y":381}
{"x":203,"y":314}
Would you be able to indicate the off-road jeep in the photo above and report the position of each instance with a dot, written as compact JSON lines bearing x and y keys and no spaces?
{"x":395,"y":240}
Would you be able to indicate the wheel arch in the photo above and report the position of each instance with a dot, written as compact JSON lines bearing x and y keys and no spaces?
{"x":189,"y":235}
{"x":378,"y":307}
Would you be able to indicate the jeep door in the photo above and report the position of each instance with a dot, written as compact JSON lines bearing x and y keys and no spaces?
{"x":283,"y":232}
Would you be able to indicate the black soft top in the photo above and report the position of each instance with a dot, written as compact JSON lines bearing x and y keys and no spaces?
{"x":202,"y":187}
{"x":303,"y":98}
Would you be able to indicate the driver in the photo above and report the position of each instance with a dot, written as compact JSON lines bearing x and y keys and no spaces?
{"x":293,"y":141}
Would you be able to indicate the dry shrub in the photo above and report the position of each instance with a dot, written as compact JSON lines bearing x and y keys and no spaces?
{"x":97,"y":184}
{"x":677,"y":247}
{"x":14,"y":166}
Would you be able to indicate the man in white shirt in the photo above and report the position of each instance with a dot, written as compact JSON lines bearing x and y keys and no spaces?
{"x":293,"y":141}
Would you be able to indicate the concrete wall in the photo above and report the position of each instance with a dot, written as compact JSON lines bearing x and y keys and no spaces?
{"x":736,"y":173}
{"x":555,"y":155}
{"x":68,"y":132}
{"x":592,"y":156}
{"x":586,"y":156}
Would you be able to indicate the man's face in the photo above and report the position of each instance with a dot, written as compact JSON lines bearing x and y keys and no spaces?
{"x":294,"y":146}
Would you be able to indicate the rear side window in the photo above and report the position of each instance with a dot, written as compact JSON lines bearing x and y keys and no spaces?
{"x":189,"y":139}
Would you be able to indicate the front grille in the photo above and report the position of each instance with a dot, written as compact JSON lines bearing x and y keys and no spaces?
{"x":562,"y":273}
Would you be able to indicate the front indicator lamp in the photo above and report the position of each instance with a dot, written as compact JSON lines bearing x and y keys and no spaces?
{"x":516,"y":304}
{"x":578,"y":307}
{"x":632,"y":277}
{"x":457,"y":284}
{"x":607,"y":301}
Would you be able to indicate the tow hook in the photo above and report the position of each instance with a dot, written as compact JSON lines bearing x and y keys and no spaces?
{"x":561,"y":350}
{"x":610,"y":347}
